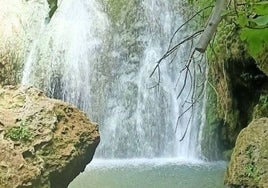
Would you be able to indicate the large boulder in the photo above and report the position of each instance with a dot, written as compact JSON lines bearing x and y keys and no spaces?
{"x":43,"y":142}
{"x":249,"y":162}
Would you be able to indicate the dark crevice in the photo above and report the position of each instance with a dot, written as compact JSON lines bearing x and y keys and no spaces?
{"x":246,"y":84}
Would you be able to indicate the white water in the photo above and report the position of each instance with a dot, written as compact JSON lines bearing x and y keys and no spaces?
{"x":103,"y":68}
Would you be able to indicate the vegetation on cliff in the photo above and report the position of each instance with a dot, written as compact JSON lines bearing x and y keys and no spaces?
{"x":237,"y":93}
{"x":237,"y":76}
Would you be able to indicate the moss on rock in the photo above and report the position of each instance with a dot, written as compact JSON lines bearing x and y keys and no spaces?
{"x":237,"y":81}
{"x":261,"y":109}
{"x":44,"y":142}
{"x":210,"y":145}
{"x":249,"y":165}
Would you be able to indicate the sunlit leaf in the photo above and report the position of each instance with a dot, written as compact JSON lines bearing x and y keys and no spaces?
{"x":256,"y":40}
{"x":261,"y":20}
{"x":261,"y":8}
{"x":242,"y":20}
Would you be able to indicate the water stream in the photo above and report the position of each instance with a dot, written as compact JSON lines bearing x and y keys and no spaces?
{"x":98,"y":55}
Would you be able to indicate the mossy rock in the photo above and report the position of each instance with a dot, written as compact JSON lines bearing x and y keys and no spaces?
{"x":45,"y":143}
{"x":211,"y":131}
{"x":261,"y":109}
{"x":249,"y":165}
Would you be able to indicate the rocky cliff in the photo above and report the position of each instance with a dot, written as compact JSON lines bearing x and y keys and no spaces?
{"x":44,"y":142}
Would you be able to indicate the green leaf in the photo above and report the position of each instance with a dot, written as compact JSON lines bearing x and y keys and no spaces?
{"x":254,"y":46}
{"x":261,"y":8}
{"x":260,"y":20}
{"x":242,"y":20}
{"x":256,"y":39}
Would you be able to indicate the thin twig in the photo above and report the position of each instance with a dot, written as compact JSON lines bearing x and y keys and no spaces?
{"x":169,"y":52}
{"x":187,"y":71}
{"x":185,"y":131}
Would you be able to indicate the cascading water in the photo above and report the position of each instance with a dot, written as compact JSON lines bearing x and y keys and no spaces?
{"x":99,"y":57}
{"x":60,"y":60}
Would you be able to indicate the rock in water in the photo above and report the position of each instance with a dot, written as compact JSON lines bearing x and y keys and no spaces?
{"x":249,"y":162}
{"x":44,"y":142}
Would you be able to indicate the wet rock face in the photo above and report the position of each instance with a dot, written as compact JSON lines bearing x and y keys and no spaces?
{"x":44,"y":142}
{"x":249,"y":162}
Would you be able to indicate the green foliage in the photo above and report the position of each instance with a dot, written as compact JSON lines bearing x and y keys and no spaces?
{"x":261,"y":109}
{"x":250,"y":167}
{"x":264,"y":99}
{"x":249,"y":151}
{"x":256,"y":40}
{"x":251,"y":172}
{"x":253,"y":22}
{"x":19,"y":133}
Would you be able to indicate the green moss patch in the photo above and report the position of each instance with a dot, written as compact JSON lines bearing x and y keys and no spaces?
{"x":20,"y":133}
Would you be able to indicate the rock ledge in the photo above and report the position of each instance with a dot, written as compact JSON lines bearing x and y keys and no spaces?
{"x":44,"y":142}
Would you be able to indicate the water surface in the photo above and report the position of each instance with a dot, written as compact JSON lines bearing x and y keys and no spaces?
{"x":151,"y":173}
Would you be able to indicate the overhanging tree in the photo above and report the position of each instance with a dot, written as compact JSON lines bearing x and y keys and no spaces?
{"x":250,"y":18}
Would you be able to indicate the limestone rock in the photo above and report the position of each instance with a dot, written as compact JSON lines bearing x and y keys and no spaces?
{"x":249,"y":162}
{"x":43,"y":142}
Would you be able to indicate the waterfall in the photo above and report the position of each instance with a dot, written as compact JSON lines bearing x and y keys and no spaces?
{"x":99,"y":55}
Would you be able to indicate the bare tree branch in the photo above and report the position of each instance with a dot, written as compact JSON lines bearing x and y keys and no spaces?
{"x":170,"y":51}
{"x":190,"y":19}
{"x":186,"y":74}
{"x":212,"y":25}
{"x":187,"y":126}
{"x":192,"y":68}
